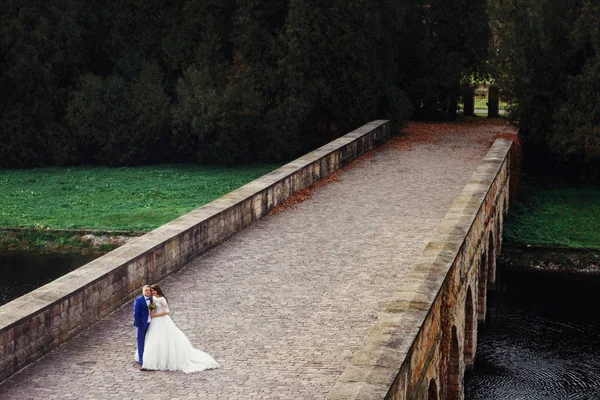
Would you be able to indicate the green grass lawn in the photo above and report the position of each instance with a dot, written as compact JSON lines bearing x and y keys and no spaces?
{"x":128,"y":198}
{"x":557,"y":214}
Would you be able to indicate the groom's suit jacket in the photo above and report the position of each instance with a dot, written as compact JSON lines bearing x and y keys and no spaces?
{"x":140,"y":312}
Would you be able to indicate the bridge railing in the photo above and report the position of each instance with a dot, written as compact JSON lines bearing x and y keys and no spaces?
{"x":38,"y":322}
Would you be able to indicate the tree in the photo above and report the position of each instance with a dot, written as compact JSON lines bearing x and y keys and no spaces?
{"x":118,"y":82}
{"x":336,"y":75}
{"x":199,"y":37}
{"x":442,"y":43}
{"x":41,"y":55}
{"x":119,"y":123}
{"x":547,"y":62}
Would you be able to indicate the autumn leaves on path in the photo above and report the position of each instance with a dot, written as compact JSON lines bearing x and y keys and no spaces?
{"x":415,"y":132}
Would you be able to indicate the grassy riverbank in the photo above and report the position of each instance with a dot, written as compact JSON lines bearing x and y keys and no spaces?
{"x":551,"y":213}
{"x":50,"y":241}
{"x":54,"y":207}
{"x":128,"y":198}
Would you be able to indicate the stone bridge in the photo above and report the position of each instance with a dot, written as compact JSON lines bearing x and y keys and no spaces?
{"x":371,"y":289}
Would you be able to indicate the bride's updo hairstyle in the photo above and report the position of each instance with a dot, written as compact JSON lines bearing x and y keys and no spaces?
{"x":158,"y":290}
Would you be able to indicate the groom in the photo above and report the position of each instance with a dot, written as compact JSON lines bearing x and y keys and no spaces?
{"x":141,"y":319}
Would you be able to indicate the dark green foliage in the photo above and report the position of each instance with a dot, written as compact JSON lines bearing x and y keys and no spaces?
{"x":196,"y":113}
{"x":576,"y":132}
{"x":118,"y":123}
{"x":443,"y":43}
{"x":200,"y":39}
{"x":40,"y":57}
{"x":338,"y":76}
{"x":99,"y":115}
{"x":548,"y":62}
{"x":132,"y":82}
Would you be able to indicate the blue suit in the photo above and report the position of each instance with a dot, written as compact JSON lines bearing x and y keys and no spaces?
{"x":140,"y":321}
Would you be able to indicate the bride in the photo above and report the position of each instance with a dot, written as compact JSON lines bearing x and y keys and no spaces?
{"x":166,"y":347}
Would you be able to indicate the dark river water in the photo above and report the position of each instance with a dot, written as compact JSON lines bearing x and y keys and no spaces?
{"x":541,"y":339}
{"x":22,"y":272}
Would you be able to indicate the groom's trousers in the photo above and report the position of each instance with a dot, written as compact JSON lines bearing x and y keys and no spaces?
{"x":141,"y":338}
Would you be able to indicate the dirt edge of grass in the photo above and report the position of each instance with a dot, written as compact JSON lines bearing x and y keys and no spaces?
{"x":550,"y":258}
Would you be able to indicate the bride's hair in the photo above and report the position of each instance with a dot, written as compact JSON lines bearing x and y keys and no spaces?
{"x":158,"y":290}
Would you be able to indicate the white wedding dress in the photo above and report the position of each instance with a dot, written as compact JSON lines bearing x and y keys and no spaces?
{"x":167,"y":348}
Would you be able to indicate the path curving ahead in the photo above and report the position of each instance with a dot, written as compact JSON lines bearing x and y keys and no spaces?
{"x":284,"y":304}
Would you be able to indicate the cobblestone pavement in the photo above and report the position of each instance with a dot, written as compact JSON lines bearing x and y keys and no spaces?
{"x":282,"y":305}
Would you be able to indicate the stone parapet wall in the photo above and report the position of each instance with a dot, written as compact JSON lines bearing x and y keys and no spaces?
{"x":416,"y":349}
{"x":40,"y":321}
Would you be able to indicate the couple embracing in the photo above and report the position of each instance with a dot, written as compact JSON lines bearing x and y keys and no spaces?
{"x":161,"y":345}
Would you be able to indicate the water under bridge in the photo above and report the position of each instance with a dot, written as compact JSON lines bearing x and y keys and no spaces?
{"x":293,"y":305}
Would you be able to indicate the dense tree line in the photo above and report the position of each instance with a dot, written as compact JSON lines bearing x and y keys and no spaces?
{"x":222,"y":81}
{"x":548,"y":61}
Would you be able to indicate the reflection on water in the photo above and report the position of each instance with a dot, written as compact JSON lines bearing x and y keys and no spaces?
{"x":23,"y":272}
{"x":541,"y":339}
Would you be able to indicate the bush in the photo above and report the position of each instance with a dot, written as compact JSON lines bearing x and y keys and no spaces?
{"x":117,"y":123}
{"x":197,"y":113}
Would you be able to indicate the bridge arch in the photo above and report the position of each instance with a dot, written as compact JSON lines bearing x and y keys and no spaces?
{"x":482,"y":287}
{"x":454,"y":384}
{"x":432,"y":392}
{"x":491,"y":259}
{"x":499,"y":222}
{"x":470,"y":330}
